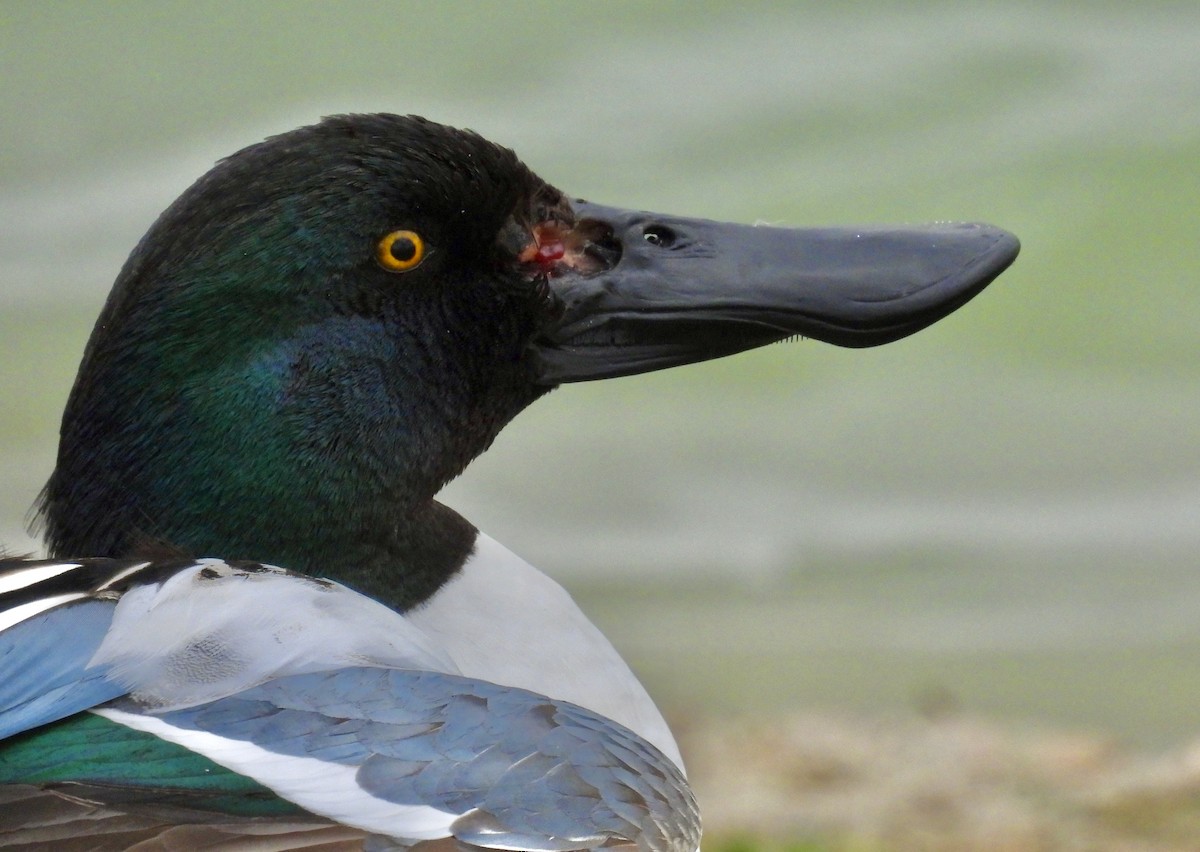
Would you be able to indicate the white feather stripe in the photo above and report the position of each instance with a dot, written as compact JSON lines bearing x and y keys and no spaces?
{"x":327,"y":789}
{"x":22,"y":577}
{"x":17,"y":614}
{"x":121,"y":575}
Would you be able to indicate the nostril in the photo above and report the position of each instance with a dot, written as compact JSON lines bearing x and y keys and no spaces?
{"x":658,"y":235}
{"x":595,"y":241}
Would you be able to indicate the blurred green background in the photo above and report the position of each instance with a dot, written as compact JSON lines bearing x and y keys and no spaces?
{"x":1001,"y":513}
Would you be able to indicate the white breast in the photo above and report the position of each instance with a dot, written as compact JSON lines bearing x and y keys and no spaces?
{"x":502,"y":620}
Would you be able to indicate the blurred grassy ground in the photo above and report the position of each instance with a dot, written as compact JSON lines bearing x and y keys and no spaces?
{"x":939,"y":783}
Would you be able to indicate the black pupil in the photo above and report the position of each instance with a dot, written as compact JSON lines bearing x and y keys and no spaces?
{"x":659,"y":235}
{"x":403,"y":249}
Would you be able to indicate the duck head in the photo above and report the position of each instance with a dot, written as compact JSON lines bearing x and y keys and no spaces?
{"x":329,"y":325}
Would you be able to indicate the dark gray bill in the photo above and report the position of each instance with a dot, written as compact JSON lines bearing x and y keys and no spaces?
{"x":665,"y":290}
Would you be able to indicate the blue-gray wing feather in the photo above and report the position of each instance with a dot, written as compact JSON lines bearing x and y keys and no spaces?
{"x":46,"y":664}
{"x":520,"y":770}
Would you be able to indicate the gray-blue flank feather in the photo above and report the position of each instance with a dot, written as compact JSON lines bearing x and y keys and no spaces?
{"x":521,"y":770}
{"x":45,"y":665}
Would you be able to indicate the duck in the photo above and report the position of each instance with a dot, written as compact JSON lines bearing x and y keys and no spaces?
{"x":255,"y":619}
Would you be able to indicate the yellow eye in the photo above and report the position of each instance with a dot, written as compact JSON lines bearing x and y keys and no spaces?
{"x":400,"y":251}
